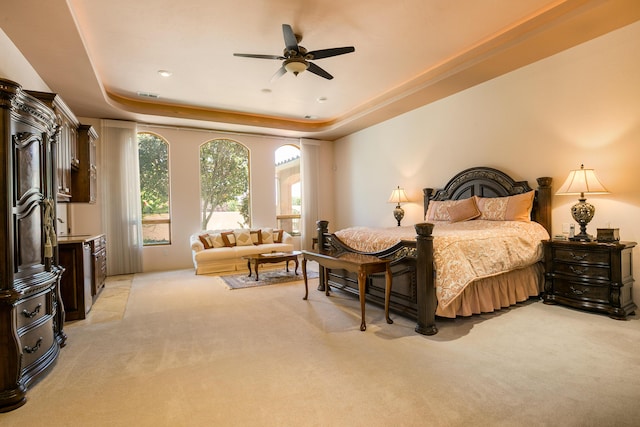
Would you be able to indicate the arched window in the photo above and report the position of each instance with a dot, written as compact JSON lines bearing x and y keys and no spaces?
{"x":224,"y":185}
{"x":153,"y":156}
{"x":288,"y":189}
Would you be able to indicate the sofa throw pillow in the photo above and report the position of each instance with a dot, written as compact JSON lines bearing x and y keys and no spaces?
{"x":277,"y":236}
{"x":243,"y":237}
{"x":216,"y":240}
{"x":228,"y":238}
{"x":267,"y":235}
{"x":206,"y":241}
{"x":256,"y":237}
{"x":466,"y":210}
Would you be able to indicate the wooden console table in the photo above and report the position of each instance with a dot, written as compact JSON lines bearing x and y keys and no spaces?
{"x":361,"y":264}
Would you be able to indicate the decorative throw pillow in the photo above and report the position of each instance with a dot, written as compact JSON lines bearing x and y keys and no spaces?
{"x":510,"y":208}
{"x":216,"y":240}
{"x":228,"y":238}
{"x":492,"y":208}
{"x":277,"y":236}
{"x":438,"y":210}
{"x":206,"y":241}
{"x":465,"y":210}
{"x":243,"y":237}
{"x":519,"y":207}
{"x":256,"y":237}
{"x":267,"y":235}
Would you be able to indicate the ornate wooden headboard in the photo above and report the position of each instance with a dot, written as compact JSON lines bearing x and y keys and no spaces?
{"x":488,"y":182}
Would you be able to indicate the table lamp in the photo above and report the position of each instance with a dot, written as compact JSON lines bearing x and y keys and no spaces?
{"x":582,"y":181}
{"x":398,"y":196}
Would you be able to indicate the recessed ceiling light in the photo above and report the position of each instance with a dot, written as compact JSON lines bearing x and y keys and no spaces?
{"x":266,"y":90}
{"x":165,"y":73}
{"x":322,"y":99}
{"x":310,"y":117}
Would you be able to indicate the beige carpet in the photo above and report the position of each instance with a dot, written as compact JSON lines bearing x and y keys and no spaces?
{"x":189,"y":352}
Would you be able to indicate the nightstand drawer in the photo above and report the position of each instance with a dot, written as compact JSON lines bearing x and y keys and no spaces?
{"x":581,"y":291}
{"x":583,"y":256}
{"x":583,"y":270}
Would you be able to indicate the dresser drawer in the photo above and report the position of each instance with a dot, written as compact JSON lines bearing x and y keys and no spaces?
{"x":583,"y":270}
{"x":583,"y":256}
{"x":31,"y":310}
{"x":581,"y":291}
{"x":36,"y":342}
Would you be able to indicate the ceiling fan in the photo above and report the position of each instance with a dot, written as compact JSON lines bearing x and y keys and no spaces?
{"x":296,"y":58}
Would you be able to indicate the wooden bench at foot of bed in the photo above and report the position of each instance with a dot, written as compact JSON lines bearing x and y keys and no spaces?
{"x":363,"y":265}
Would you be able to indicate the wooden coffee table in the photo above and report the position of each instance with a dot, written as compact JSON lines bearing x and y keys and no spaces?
{"x":271,"y":258}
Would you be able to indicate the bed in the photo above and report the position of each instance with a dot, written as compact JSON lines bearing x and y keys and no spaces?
{"x":462,"y":260}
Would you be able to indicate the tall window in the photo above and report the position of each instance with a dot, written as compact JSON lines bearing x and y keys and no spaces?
{"x":153,"y":152}
{"x":224,"y":185}
{"x":288,"y":189}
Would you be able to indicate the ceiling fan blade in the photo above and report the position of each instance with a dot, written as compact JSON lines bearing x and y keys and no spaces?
{"x":290,"y":40}
{"x":281,"y":71}
{"x":313,"y":68}
{"x":251,"y":55}
{"x":326,"y":53}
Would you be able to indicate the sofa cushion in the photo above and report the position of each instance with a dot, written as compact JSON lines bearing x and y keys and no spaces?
{"x":229,"y":238}
{"x":220,"y":253}
{"x":206,"y":241}
{"x":216,"y":239}
{"x":243,"y":237}
{"x":256,"y":237}
{"x":267,"y":235}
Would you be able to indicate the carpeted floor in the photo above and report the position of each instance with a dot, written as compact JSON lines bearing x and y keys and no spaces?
{"x":183,"y":350}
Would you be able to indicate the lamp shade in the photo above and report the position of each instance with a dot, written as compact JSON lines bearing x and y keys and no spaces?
{"x":398,"y":196}
{"x":582,"y":181}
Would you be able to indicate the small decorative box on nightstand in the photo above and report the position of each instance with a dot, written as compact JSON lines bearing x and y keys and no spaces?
{"x":590,"y":275}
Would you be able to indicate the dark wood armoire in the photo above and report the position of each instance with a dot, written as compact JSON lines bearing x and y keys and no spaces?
{"x":31,"y":311}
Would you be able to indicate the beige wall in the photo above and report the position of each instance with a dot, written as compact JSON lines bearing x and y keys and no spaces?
{"x":579,"y":106}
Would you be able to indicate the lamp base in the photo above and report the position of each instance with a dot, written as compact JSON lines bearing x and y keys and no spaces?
{"x":398,"y":214}
{"x":582,"y":212}
{"x":582,"y":238}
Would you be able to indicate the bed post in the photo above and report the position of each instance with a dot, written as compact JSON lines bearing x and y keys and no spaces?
{"x":544,"y":203}
{"x":322,"y":230}
{"x":426,"y":291}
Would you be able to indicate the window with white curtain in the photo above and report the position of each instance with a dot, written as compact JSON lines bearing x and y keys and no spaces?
{"x":288,"y":189}
{"x":153,"y":155}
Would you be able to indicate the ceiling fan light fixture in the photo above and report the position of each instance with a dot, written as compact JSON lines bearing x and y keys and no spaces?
{"x":296,"y":66}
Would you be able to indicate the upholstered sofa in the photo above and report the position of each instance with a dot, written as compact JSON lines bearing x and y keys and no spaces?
{"x":216,"y":251}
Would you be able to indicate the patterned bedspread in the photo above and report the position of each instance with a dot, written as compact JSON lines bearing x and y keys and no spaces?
{"x":463,"y":251}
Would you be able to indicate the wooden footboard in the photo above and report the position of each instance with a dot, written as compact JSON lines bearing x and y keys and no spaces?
{"x":411,"y":264}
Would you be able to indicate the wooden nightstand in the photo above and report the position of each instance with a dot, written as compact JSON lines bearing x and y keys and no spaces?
{"x":590,"y":275}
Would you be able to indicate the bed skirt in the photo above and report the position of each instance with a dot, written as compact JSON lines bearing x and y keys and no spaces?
{"x":497,"y":292}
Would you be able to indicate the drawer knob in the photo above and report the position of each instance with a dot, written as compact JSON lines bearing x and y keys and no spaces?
{"x":578,"y":257}
{"x":575,"y":270}
{"x":31,"y":314}
{"x":34,"y":348}
{"x":578,"y":291}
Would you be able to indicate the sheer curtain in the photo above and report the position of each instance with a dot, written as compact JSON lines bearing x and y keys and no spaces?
{"x":121,"y":206}
{"x":310,"y":177}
